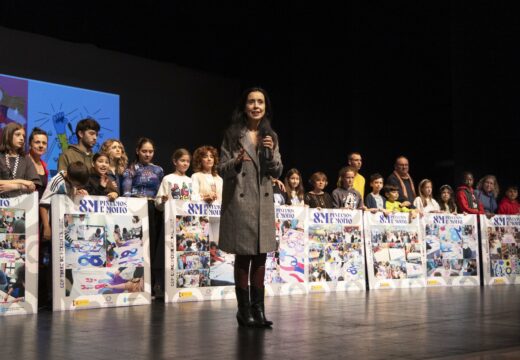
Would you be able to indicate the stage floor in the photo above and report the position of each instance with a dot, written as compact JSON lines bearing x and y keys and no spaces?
{"x":447,"y":323}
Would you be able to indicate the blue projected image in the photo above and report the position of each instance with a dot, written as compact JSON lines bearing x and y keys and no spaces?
{"x":57,"y":109}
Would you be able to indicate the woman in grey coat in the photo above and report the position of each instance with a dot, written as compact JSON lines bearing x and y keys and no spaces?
{"x":249,"y":158}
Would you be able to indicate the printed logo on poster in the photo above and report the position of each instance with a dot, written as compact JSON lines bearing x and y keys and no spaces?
{"x":332,"y":218}
{"x":448,"y":220}
{"x":505,"y":220}
{"x":201,"y":209}
{"x":285,"y":213}
{"x":5,"y":203}
{"x":398,"y":218}
{"x":103,"y":206}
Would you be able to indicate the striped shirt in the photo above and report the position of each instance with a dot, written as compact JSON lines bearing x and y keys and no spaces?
{"x":57,"y":185}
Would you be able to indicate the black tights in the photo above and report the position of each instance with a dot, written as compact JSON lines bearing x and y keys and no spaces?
{"x":243,"y":273}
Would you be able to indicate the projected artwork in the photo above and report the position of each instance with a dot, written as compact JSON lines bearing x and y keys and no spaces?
{"x":57,"y":109}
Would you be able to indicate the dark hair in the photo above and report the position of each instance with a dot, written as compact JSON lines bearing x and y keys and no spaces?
{"x":20,"y":274}
{"x":37,"y":131}
{"x":463,"y":177}
{"x":511,"y":187}
{"x":78,"y":172}
{"x":389,"y":188}
{"x":375,"y":177}
{"x":138,"y":272}
{"x":87,"y":124}
{"x":199,"y":153}
{"x":239,"y":119}
{"x":98,"y":155}
{"x":6,"y":144}
{"x":451,"y":202}
{"x":110,"y":185}
{"x":140,"y":142}
{"x":299,"y":189}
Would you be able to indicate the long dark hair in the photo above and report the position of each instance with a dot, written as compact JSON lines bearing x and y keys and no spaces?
{"x":300,"y":191}
{"x":140,"y":142}
{"x":451,"y":202}
{"x":239,"y":118}
{"x":6,"y":143}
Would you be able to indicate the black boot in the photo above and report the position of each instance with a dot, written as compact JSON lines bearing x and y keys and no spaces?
{"x":244,"y":316}
{"x":257,"y":307}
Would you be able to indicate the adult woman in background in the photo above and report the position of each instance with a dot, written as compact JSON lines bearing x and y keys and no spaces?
{"x":487,"y":193}
{"x":249,"y":158}
{"x":38,"y":141}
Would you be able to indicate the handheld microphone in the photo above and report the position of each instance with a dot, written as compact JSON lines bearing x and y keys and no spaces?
{"x":267,"y":153}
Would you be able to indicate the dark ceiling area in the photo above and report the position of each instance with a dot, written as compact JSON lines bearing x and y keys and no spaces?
{"x":216,"y":37}
{"x":436,"y":81}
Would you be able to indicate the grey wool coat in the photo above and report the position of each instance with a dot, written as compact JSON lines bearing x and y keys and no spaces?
{"x":247,"y":213}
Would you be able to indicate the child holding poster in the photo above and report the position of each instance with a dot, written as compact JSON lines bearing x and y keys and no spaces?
{"x":509,"y":204}
{"x":467,"y":201}
{"x":446,"y":200}
{"x":375,"y":201}
{"x":392,"y":205}
{"x":100,"y":182}
{"x":317,"y":198}
{"x":207,"y":184}
{"x":294,"y":191}
{"x":345,"y":196}
{"x":425,"y":203}
{"x":69,"y":182}
{"x":175,"y":185}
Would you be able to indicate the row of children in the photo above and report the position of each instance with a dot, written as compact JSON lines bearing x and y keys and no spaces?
{"x":385,"y":197}
{"x":109,"y":173}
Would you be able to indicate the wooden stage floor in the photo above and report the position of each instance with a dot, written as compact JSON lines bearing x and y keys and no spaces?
{"x":441,"y":323}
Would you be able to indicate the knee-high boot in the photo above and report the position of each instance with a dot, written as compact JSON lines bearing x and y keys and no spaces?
{"x":244,"y":316}
{"x":257,"y":307}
